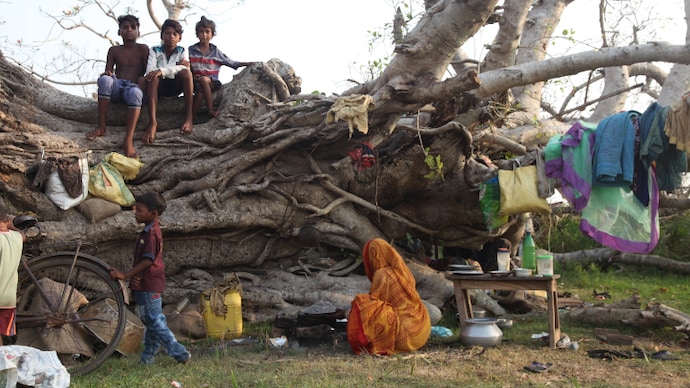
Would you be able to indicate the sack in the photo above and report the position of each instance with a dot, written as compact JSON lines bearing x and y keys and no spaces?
{"x":128,"y":167}
{"x":60,"y":195}
{"x":519,"y":192}
{"x":97,"y":209}
{"x":490,"y":204}
{"x":106,"y":182}
{"x":186,"y":324}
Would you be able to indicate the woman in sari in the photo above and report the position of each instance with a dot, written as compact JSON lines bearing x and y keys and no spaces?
{"x":391,"y":318}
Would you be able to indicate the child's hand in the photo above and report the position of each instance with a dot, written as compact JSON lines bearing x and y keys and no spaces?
{"x":115,"y":274}
{"x":152,"y":75}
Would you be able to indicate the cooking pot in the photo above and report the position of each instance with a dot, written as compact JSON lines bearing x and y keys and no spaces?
{"x":481,"y":332}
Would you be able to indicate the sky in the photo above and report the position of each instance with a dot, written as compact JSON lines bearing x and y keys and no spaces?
{"x":325,"y":41}
{"x":320,"y":39}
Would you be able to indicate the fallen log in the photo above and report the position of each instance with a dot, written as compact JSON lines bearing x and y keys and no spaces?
{"x":607,"y":256}
{"x":654,"y":316}
{"x":680,"y":319}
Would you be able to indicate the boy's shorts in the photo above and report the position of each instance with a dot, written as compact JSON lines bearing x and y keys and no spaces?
{"x":215,"y":85}
{"x":169,"y":88}
{"x":120,"y":90}
{"x":7,"y":322}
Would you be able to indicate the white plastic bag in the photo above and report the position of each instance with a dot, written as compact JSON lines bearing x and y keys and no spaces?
{"x":34,"y":367}
{"x":55,"y":190}
{"x":8,"y":372}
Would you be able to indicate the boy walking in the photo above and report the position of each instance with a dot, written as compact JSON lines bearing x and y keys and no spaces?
{"x":147,"y":281}
{"x":11,"y":243}
{"x":168,"y":75}
{"x":124,"y":70}
{"x":206,"y":60}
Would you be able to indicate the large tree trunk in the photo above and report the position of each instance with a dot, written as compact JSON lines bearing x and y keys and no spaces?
{"x":243,"y":185}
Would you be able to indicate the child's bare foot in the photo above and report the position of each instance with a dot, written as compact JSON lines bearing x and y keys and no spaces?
{"x":150,"y":134}
{"x":95,"y":133}
{"x":214,"y":113}
{"x":130,"y":152}
{"x":186,"y":127}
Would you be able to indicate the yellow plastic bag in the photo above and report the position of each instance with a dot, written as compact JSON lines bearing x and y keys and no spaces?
{"x":106,"y":182}
{"x":519,"y":193}
{"x":128,"y":167}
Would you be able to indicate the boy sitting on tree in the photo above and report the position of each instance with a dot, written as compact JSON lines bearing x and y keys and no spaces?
{"x":206,"y":60}
{"x":168,"y":74}
{"x":124,"y":71}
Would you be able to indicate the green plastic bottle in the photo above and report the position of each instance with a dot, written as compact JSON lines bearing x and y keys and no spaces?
{"x":529,"y":252}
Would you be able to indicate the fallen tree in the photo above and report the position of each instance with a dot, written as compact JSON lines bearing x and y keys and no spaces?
{"x":275,"y":162}
{"x":629,"y":312}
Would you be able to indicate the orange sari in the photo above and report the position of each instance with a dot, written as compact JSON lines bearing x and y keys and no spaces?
{"x":391,"y":318}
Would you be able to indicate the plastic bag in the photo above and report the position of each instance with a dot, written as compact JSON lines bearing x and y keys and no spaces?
{"x":56,"y":191}
{"x":34,"y":367}
{"x":128,"y":167}
{"x":490,"y":204}
{"x":106,"y":182}
{"x":519,"y":193}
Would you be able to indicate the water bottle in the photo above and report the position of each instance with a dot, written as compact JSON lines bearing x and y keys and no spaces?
{"x":529,"y":252}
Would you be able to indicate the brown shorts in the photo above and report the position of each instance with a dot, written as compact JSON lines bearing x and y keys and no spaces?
{"x":7,"y":322}
{"x":169,"y":88}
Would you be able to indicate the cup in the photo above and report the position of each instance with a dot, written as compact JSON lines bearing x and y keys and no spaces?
{"x":545,"y":265}
{"x":503,"y":259}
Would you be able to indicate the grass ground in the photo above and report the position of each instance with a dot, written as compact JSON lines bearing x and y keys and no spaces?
{"x":442,"y":362}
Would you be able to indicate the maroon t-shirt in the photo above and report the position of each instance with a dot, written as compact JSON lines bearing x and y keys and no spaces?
{"x":149,"y":247}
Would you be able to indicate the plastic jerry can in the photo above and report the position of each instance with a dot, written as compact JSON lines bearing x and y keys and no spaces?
{"x":224,"y":327}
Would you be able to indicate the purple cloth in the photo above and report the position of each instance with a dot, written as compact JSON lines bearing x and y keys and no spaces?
{"x":624,"y":244}
{"x":574,"y":166}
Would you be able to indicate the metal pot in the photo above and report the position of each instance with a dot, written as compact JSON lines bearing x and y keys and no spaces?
{"x":480,"y":331}
{"x":478,"y":312}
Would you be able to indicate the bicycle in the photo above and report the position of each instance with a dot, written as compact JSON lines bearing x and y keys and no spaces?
{"x":67,"y":302}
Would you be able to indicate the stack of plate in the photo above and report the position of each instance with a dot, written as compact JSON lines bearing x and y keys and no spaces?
{"x":463,"y":269}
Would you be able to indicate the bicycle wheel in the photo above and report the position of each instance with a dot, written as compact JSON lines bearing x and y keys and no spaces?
{"x":83,"y":321}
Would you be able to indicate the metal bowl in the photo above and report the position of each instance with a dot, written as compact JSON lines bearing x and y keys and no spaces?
{"x":523,"y":272}
{"x":504,"y":323}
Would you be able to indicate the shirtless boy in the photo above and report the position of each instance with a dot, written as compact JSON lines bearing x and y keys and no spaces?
{"x":168,"y":74}
{"x":124,"y":70}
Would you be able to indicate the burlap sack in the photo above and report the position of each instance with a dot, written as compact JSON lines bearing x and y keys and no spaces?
{"x":187,"y":324}
{"x":97,"y":209}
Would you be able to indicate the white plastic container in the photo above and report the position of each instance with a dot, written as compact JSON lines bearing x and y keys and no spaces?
{"x":545,"y":265}
{"x":503,"y":259}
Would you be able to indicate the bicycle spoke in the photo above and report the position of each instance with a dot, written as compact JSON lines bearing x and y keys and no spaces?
{"x":82,"y":310}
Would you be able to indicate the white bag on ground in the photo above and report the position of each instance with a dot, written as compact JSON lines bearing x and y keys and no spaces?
{"x":34,"y":367}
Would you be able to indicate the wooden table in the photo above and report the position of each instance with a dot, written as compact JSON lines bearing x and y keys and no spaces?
{"x":463,"y":283}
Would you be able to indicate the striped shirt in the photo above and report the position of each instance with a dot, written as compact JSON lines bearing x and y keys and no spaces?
{"x":209,"y":64}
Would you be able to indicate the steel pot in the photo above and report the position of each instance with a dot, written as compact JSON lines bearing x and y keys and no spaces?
{"x":480,"y":331}
{"x":478,"y":312}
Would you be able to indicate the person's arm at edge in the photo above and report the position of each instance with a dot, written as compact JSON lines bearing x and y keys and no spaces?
{"x":12,"y":227}
{"x":151,"y":62}
{"x":141,"y":266}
